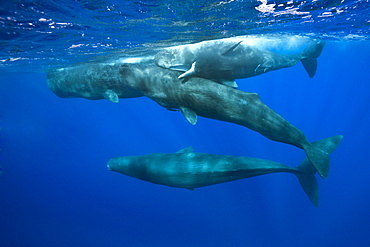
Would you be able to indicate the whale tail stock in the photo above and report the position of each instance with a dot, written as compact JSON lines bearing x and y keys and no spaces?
{"x":306,"y":176}
{"x":310,"y":55}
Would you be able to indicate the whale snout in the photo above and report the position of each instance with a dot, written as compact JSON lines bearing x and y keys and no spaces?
{"x":118,"y":164}
{"x":111,"y":164}
{"x":109,"y":168}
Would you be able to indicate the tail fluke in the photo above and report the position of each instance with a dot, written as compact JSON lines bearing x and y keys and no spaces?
{"x":310,"y":55}
{"x":307,"y":178}
{"x":319,"y":159}
{"x":308,"y":181}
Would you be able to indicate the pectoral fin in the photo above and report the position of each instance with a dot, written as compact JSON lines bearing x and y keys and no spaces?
{"x":230,"y":83}
{"x":181,"y":67}
{"x":189,"y":114}
{"x":111,"y":96}
{"x":189,"y":73}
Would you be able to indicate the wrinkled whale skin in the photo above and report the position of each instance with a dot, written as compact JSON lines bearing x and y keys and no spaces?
{"x":210,"y":100}
{"x":90,"y":81}
{"x":201,"y":97}
{"x":196,"y":97}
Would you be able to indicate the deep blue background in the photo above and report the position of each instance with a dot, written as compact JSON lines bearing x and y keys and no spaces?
{"x":55,"y":189}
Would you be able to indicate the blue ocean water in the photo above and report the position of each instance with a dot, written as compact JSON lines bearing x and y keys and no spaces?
{"x":55,"y":189}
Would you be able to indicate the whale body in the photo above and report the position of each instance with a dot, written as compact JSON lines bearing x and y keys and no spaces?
{"x":186,"y":169}
{"x":196,"y":97}
{"x":201,"y":97}
{"x":225,"y":60}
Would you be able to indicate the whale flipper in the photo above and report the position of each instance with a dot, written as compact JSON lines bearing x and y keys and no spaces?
{"x":310,"y":55}
{"x":189,"y":114}
{"x":189,"y":73}
{"x":111,"y":96}
{"x":230,"y":83}
{"x":307,"y":179}
{"x":180,"y":67}
{"x":193,"y":72}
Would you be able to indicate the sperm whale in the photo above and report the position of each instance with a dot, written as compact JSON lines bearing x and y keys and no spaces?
{"x":225,"y":60}
{"x":186,"y":169}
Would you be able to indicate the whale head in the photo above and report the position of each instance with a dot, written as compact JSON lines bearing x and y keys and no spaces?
{"x":91,"y":81}
{"x":133,"y":166}
{"x":119,"y":164}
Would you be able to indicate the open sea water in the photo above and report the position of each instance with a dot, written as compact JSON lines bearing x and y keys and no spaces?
{"x":55,"y":188}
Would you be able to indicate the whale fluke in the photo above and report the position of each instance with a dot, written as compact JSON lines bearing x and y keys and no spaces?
{"x":310,"y":65}
{"x":318,"y":155}
{"x":307,"y":179}
{"x":319,"y":159}
{"x":310,"y":55}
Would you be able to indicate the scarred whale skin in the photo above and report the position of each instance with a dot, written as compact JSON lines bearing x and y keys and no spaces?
{"x":196,"y":97}
{"x":90,"y":81}
{"x":228,"y":59}
{"x":186,"y":169}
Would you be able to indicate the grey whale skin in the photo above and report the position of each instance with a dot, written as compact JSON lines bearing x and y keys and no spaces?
{"x":201,"y":97}
{"x":225,"y":60}
{"x":189,"y":170}
{"x":195,"y":97}
{"x":90,"y":81}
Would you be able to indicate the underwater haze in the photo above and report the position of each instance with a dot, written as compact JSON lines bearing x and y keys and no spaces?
{"x":56,"y":190}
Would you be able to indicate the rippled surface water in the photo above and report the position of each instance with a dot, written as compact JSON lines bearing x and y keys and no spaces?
{"x":35,"y":35}
{"x":55,"y":188}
